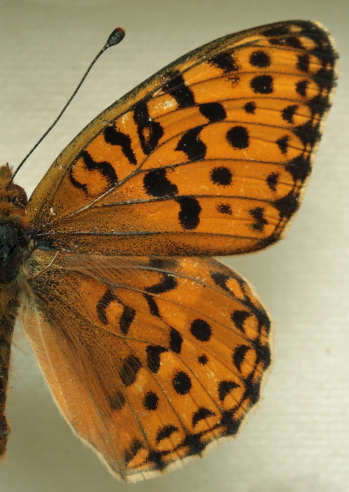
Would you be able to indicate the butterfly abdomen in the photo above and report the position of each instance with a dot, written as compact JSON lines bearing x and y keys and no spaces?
{"x":7,"y":322}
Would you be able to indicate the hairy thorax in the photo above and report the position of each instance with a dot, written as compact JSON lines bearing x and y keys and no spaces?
{"x":14,"y":241}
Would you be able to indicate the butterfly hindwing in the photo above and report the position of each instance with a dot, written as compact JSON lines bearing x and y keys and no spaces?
{"x":207,"y":157}
{"x":126,"y":345}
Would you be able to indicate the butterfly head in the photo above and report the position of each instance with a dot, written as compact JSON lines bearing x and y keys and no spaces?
{"x":13,"y":199}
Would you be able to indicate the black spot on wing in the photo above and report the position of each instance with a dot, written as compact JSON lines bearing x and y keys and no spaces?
{"x":282,"y":143}
{"x":167,"y":283}
{"x":283,"y":37}
{"x":221,"y":176}
{"x":163,"y":263}
{"x":135,"y":447}
{"x":252,"y":390}
{"x":115,"y":137}
{"x":151,"y":401}
{"x":127,"y":316}
{"x":224,"y":209}
{"x":263,"y":320}
{"x":287,"y":113}
{"x":179,"y":90}
{"x":153,"y":307}
{"x":156,"y":457}
{"x":325,"y":78}
{"x":262,"y":84}
{"x":181,"y":383}
{"x":239,"y":317}
{"x":153,"y":357}
{"x":193,"y":442}
{"x":301,"y":87}
{"x":225,"y":62}
{"x":272,"y":181}
{"x":318,"y":105}
{"x":189,"y":214}
{"x":293,"y":42}
{"x":221,"y":280}
{"x":307,"y":133}
{"x":202,"y":414}
{"x":299,"y":168}
{"x":149,"y":131}
{"x":238,"y":137}
{"x":165,"y":432}
{"x":191,"y":145}
{"x":130,"y":367}
{"x":287,"y":205}
{"x":176,"y":341}
{"x":104,"y":168}
{"x":260,"y":221}
{"x":250,"y":107}
{"x":102,"y":305}
{"x":76,"y":183}
{"x":260,"y":59}
{"x":213,"y":111}
{"x":117,"y":401}
{"x":201,"y":330}
{"x":203,"y":359}
{"x":239,"y":355}
{"x":263,"y":353}
{"x":303,"y":62}
{"x":157,"y":184}
{"x":231,"y":425}
{"x":225,"y":387}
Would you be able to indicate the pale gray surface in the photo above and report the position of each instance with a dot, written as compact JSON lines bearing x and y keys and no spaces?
{"x":298,"y":440}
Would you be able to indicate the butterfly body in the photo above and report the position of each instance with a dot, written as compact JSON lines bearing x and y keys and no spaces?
{"x":152,"y":349}
{"x":13,"y":248}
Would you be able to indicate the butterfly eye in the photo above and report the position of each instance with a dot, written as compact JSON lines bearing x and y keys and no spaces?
{"x":20,"y":199}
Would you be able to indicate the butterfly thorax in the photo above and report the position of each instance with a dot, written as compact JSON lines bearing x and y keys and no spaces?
{"x":13,"y":226}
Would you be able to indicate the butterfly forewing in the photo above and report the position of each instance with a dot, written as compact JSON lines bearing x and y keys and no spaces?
{"x":207,"y":157}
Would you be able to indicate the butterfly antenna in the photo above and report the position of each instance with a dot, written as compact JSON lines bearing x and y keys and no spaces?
{"x":115,"y":38}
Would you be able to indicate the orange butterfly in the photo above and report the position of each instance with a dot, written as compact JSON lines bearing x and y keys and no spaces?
{"x":151,"y":349}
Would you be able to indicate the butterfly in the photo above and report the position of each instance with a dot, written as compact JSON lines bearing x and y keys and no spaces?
{"x":152,"y":349}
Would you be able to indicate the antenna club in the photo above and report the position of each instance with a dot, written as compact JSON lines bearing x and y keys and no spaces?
{"x":116,"y":37}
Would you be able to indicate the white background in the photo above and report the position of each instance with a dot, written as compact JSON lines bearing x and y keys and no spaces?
{"x":298,"y":440}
